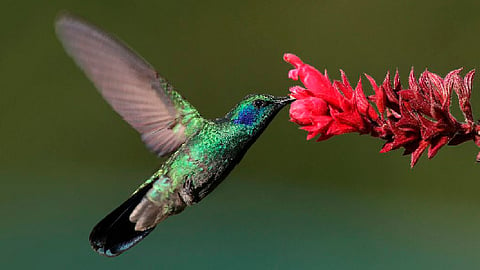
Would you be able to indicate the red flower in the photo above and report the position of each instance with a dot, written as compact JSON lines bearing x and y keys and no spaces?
{"x":415,"y":118}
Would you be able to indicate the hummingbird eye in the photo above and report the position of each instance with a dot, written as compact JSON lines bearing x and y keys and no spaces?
{"x":260,"y":103}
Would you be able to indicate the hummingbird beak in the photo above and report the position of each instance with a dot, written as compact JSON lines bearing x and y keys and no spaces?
{"x":284,"y":100}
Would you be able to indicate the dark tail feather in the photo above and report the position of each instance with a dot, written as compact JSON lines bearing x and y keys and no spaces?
{"x":115,"y":233}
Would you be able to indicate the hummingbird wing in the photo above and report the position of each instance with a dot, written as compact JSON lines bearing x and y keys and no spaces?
{"x":129,"y":84}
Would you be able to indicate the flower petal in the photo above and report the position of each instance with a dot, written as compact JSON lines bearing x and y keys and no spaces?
{"x":293,"y":60}
{"x":418,"y":152}
{"x":436,"y":145}
{"x":379,"y":95}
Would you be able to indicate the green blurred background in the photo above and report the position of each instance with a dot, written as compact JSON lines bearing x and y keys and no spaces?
{"x":66,"y":159}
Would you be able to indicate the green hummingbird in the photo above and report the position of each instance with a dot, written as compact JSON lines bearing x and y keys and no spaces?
{"x":202,"y":152}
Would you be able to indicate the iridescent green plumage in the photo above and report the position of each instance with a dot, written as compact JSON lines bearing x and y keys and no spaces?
{"x":204,"y":160}
{"x":204,"y":151}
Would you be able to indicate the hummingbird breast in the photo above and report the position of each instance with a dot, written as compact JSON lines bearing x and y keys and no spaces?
{"x":206,"y":159}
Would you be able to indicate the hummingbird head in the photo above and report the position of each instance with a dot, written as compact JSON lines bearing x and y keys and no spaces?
{"x":256,"y":111}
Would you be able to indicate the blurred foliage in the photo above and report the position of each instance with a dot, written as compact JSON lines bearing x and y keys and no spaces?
{"x":66,"y":159}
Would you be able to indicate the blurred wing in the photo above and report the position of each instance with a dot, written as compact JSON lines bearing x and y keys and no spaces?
{"x":131,"y":85}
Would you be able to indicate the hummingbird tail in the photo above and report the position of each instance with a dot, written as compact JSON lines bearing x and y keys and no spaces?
{"x":115,"y":233}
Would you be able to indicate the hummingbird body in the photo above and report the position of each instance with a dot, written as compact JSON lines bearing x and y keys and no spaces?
{"x":204,"y":160}
{"x":203,"y":151}
{"x":194,"y":170}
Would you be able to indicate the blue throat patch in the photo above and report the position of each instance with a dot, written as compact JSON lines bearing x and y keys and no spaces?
{"x":246,"y":116}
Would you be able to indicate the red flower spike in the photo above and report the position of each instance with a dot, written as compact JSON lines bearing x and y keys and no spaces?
{"x":414,"y":118}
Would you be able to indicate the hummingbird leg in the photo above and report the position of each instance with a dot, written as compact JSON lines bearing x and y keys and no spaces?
{"x":186,"y":191}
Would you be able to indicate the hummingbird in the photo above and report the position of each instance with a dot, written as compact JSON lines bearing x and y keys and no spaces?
{"x":201,"y":152}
